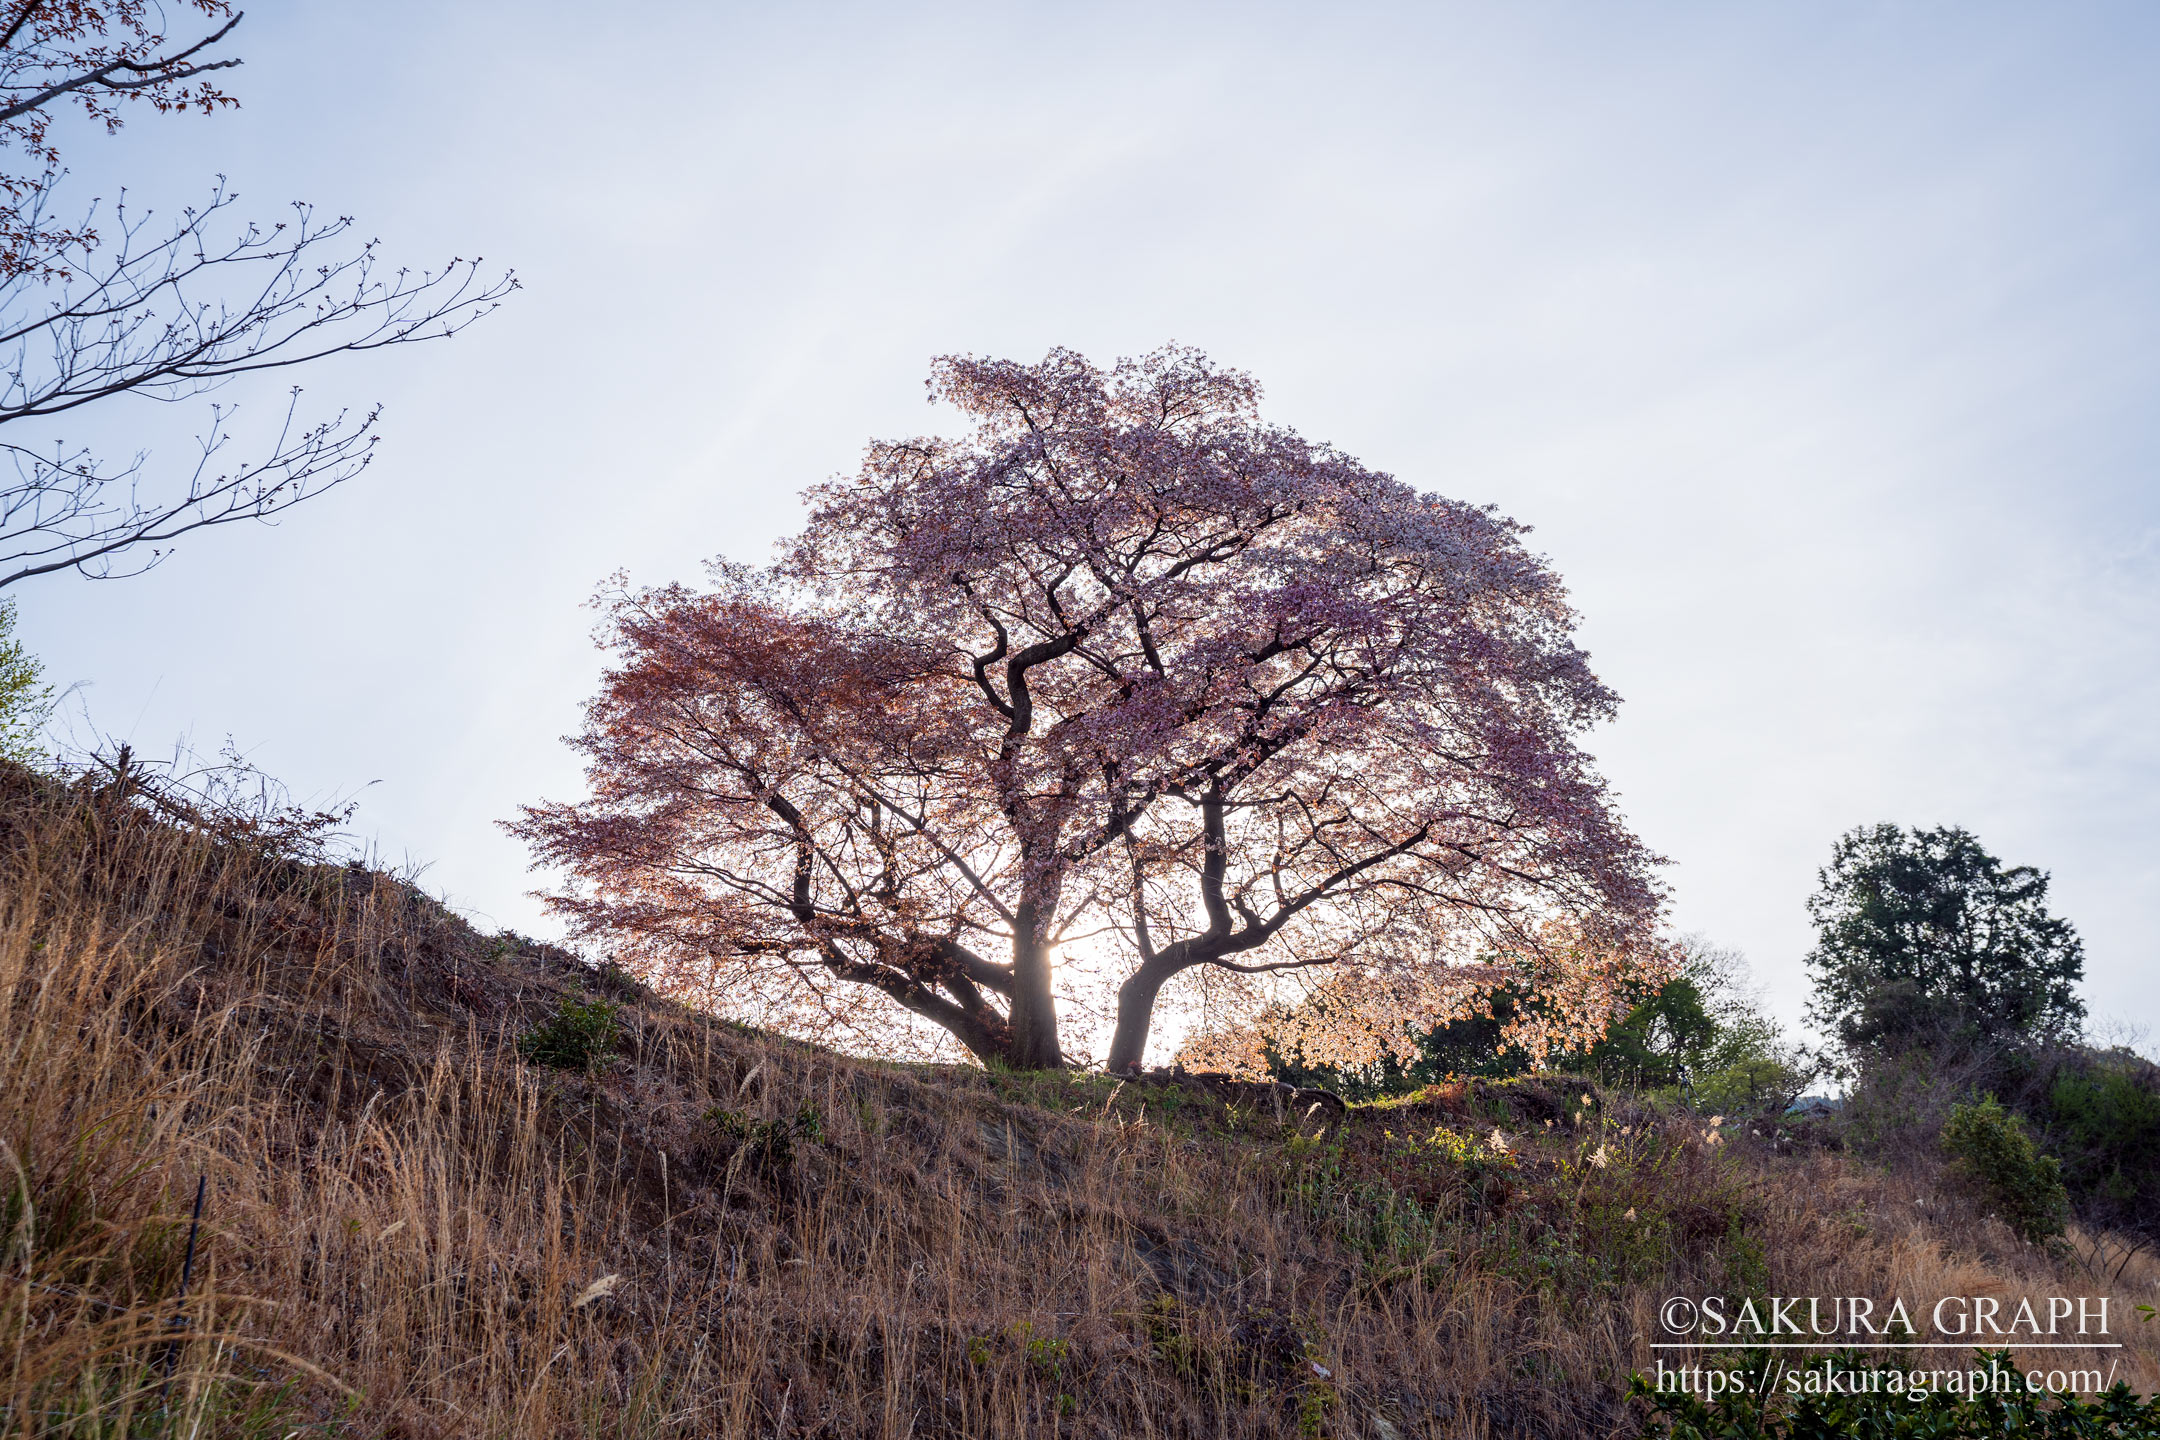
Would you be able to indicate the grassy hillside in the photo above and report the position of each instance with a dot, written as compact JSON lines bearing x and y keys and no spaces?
{"x":415,"y":1226}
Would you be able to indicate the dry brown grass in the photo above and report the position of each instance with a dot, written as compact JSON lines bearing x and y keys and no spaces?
{"x":411,"y":1232}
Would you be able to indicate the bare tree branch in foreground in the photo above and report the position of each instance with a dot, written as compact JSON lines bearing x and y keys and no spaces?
{"x":168,"y":315}
{"x":95,"y":56}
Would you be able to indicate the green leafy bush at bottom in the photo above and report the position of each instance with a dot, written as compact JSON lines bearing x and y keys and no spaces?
{"x":1924,"y":1414}
{"x":2025,"y":1187}
{"x":577,"y":1037}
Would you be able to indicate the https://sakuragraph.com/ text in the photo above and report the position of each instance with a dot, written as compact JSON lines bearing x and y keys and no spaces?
{"x":1912,"y":1336}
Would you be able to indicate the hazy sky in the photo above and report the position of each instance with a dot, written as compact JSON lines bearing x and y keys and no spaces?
{"x":1819,"y":343}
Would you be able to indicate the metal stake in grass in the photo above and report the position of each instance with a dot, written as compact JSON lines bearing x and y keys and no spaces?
{"x":187,"y":1272}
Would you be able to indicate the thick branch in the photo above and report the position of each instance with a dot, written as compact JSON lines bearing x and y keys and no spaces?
{"x":162,"y":71}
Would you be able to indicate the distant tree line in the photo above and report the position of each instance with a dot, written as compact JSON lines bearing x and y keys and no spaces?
{"x":1701,"y":1034}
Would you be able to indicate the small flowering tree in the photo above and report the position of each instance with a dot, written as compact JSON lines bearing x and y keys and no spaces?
{"x":1127,"y":687}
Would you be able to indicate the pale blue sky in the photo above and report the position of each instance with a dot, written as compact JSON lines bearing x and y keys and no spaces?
{"x":1819,"y":343}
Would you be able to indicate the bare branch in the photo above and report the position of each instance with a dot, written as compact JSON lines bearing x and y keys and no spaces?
{"x":135,"y":75}
{"x":156,"y":316}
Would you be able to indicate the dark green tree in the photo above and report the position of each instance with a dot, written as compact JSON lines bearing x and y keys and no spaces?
{"x":1925,"y":941}
{"x":1661,"y":1041}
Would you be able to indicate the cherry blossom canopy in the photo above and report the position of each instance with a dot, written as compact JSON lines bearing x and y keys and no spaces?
{"x":1127,"y":685}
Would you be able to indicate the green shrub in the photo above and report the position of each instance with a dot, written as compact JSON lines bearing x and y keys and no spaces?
{"x":768,"y":1146}
{"x":1749,"y":1085}
{"x":577,"y":1037}
{"x":2106,"y":1122}
{"x":24,"y":702}
{"x":1996,"y":1154}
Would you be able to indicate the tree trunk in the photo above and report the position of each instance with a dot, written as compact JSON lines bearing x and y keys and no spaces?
{"x":1135,"y":1015}
{"x":1034,"y":1017}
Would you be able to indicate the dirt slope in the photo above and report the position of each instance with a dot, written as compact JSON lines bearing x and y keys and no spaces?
{"x":412,"y":1229}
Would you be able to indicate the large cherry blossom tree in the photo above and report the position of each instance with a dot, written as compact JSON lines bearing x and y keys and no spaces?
{"x":1128,"y":688}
